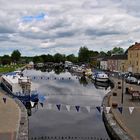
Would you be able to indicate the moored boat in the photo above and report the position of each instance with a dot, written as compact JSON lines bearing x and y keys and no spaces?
{"x":100,"y":77}
{"x":18,"y":86}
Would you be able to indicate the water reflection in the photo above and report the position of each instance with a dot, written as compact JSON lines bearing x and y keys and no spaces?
{"x":67,"y":92}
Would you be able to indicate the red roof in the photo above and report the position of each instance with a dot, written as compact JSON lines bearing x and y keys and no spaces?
{"x":136,"y":46}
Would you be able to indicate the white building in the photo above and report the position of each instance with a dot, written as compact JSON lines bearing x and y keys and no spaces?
{"x":103,"y":64}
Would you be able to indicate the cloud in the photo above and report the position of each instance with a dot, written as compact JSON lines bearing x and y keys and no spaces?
{"x":51,"y":26}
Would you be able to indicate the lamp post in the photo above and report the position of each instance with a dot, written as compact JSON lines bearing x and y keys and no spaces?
{"x":122,"y":89}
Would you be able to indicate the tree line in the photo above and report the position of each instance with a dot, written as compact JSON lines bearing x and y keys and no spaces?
{"x":84,"y":56}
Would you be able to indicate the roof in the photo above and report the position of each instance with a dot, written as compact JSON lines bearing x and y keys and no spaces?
{"x":118,"y":57}
{"x":136,"y":46}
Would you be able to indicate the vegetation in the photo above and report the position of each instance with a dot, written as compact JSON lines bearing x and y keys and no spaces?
{"x":84,"y":56}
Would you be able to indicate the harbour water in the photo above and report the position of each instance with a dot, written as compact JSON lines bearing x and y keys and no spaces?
{"x":69,"y":110}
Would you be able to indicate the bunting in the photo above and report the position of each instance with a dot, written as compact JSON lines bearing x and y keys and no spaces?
{"x":58,"y":106}
{"x":77,"y":108}
{"x":120,"y":109}
{"x":68,"y":108}
{"x":4,"y":100}
{"x":88,"y":108}
{"x":108,"y":109}
{"x":131,"y":110}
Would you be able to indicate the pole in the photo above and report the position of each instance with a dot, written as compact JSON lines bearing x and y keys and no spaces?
{"x":122,"y":88}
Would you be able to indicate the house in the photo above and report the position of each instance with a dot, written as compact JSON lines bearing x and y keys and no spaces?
{"x":103,"y":64}
{"x":117,"y":63}
{"x":134,"y":58}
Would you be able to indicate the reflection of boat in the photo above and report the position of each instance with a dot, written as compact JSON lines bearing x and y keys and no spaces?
{"x":102,"y":85}
{"x":100,"y":76}
{"x":18,"y":86}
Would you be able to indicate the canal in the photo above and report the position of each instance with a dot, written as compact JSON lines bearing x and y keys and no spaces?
{"x":69,"y":107}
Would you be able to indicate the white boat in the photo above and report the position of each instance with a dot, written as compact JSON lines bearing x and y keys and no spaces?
{"x":18,"y":86}
{"x":100,"y":77}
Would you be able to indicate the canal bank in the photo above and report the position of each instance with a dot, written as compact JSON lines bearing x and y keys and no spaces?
{"x":121,"y":126}
{"x":13,"y":118}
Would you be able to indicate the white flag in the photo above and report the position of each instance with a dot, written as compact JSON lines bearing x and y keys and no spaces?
{"x":49,"y":106}
{"x":131,"y":109}
{"x":88,"y":108}
{"x":101,"y":109}
{"x":32,"y":104}
{"x":108,"y":109}
{"x":68,"y":107}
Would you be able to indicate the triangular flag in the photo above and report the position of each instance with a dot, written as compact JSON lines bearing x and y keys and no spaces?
{"x":77,"y":108}
{"x":101,"y":109}
{"x":98,"y":108}
{"x":88,"y":108}
{"x":120,"y":109}
{"x":4,"y":100}
{"x":49,"y":106}
{"x":41,"y":104}
{"x":68,"y":107}
{"x":108,"y":109}
{"x":131,"y":109}
{"x":32,"y":104}
{"x":58,"y":106}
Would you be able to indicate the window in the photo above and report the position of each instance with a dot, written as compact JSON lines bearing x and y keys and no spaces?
{"x":137,"y":63}
{"x":130,"y":62}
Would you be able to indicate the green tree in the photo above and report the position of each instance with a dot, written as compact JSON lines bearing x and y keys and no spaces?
{"x":103,"y":54}
{"x":15,"y":56}
{"x":6,"y":59}
{"x":59,"y":58}
{"x":50,"y":58}
{"x":117,"y":50}
{"x":72,"y":58}
{"x":37,"y":59}
{"x":83,"y":55}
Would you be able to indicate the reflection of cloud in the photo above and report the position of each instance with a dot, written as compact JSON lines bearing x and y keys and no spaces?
{"x":98,"y":24}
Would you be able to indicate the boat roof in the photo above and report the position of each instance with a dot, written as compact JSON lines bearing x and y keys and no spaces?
{"x":13,"y":77}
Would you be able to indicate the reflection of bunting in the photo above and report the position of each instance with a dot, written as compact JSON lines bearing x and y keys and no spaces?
{"x":88,"y":108}
{"x":98,"y":108}
{"x":77,"y":108}
{"x":120,"y":109}
{"x":108,"y":109}
{"x":41,"y":104}
{"x":131,"y":109}
{"x":32,"y":104}
{"x":58,"y":106}
{"x":49,"y":106}
{"x":68,"y":107}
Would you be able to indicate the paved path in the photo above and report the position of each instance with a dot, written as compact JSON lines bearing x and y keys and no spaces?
{"x":129,"y":122}
{"x":9,"y":118}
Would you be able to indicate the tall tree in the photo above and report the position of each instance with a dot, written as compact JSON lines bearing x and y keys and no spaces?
{"x":117,"y":50}
{"x":15,"y":56}
{"x":72,"y":58}
{"x":83,"y":55}
{"x":59,"y":58}
{"x":6,"y":59}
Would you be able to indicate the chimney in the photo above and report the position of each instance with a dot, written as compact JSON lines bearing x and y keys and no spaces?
{"x":136,"y":43}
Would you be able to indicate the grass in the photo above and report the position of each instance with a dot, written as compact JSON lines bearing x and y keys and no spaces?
{"x":10,"y":68}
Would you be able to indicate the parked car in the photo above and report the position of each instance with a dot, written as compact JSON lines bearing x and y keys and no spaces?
{"x":131,"y":80}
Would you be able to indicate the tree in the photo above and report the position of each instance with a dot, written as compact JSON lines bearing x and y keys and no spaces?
{"x":72,"y":58}
{"x":6,"y":59}
{"x":37,"y":59}
{"x":83,"y":55}
{"x":103,"y":54}
{"x":15,"y":56}
{"x":59,"y":58}
{"x":117,"y":50}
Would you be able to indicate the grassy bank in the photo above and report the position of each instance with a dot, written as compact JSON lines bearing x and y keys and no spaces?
{"x":10,"y":68}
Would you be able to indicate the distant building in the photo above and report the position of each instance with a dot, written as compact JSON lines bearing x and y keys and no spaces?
{"x":103,"y":64}
{"x":117,"y":63}
{"x":134,"y":58}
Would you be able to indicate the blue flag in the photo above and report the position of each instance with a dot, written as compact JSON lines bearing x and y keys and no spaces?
{"x":98,"y":108}
{"x":58,"y":106}
{"x":77,"y":108}
{"x":120,"y":109}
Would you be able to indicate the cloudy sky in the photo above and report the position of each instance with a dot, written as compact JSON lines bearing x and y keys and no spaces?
{"x":62,"y":26}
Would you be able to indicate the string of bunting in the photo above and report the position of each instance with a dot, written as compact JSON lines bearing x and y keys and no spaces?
{"x":78,"y":108}
{"x":50,"y":78}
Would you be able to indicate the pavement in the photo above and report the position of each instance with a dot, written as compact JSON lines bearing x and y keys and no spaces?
{"x":9,"y":118}
{"x":129,"y":122}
